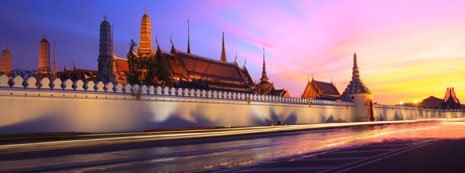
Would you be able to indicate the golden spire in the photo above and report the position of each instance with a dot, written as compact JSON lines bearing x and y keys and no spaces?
{"x":188,"y":38}
{"x":264,"y":76}
{"x":145,"y":43}
{"x":223,"y":51}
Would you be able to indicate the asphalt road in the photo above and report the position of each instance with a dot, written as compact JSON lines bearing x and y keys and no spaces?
{"x":374,"y":148}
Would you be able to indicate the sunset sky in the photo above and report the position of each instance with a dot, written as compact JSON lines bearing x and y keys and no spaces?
{"x":406,"y":49}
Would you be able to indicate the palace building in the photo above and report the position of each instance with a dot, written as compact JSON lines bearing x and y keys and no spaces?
{"x":175,"y":67}
{"x":321,"y":90}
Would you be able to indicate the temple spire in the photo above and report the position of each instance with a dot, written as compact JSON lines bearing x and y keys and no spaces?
{"x":54,"y":60}
{"x":355,"y":86}
{"x":145,"y":43}
{"x":355,"y":60}
{"x":264,"y":76}
{"x":223,"y":51}
{"x":188,"y":38}
{"x":355,"y":70}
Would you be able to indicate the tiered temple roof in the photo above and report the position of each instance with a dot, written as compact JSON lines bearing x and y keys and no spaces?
{"x":356,"y":85}
{"x":185,"y":67}
{"x":321,"y":90}
{"x":432,"y":102}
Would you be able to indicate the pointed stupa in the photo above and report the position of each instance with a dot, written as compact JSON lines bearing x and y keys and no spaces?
{"x":264,"y":77}
{"x":145,"y":43}
{"x":5,"y":61}
{"x":44,"y":58}
{"x":356,"y":85}
{"x":106,"y":69}
{"x":223,"y":51}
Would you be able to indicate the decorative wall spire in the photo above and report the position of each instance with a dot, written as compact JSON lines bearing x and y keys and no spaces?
{"x":158,"y":46}
{"x":223,"y":51}
{"x":264,"y":76}
{"x":173,"y":49}
{"x":188,"y":38}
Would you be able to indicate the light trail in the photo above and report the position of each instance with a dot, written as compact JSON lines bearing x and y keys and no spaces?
{"x":189,"y":134}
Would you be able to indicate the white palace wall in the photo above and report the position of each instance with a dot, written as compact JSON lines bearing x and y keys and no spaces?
{"x":44,"y":106}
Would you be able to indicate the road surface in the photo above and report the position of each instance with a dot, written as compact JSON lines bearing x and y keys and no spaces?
{"x":348,"y":149}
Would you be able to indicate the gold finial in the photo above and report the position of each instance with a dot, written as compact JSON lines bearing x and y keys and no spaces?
{"x":223,"y":51}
